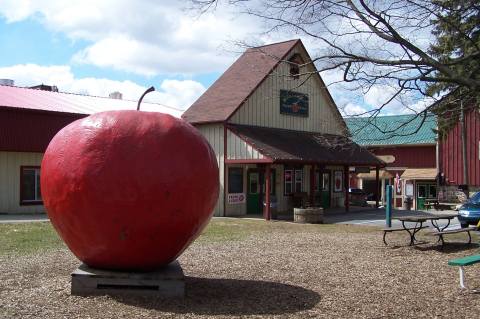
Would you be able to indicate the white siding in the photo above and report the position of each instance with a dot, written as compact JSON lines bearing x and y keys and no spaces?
{"x":262,"y":108}
{"x":241,"y":208}
{"x":239,"y":149}
{"x":215,"y":136}
{"x":10,"y":163}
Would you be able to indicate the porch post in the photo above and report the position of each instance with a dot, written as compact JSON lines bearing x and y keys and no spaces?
{"x":312,"y":185}
{"x":268,"y":183}
{"x":377,"y":185}
{"x":346,"y":183}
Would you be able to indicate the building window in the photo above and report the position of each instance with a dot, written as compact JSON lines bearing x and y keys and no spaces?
{"x":293,"y":181}
{"x":295,"y":61}
{"x":235,"y":180}
{"x":30,"y":192}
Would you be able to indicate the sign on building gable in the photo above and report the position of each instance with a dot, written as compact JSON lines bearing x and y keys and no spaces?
{"x":293,"y":103}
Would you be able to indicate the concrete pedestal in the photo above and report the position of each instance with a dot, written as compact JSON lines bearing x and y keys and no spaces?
{"x":168,"y":281}
{"x":310,"y":215}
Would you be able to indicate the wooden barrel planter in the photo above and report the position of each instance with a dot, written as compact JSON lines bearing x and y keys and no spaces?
{"x":309,"y":215}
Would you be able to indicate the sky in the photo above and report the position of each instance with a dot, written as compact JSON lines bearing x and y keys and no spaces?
{"x":96,"y":47}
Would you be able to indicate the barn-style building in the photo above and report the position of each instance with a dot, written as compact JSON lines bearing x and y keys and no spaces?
{"x":29,"y":118}
{"x":279,"y":138}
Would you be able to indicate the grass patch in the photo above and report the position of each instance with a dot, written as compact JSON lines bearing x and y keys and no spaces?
{"x":26,"y":238}
{"x":226,"y":229}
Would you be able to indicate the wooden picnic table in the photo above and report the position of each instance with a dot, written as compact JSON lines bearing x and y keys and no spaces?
{"x":419,"y":220}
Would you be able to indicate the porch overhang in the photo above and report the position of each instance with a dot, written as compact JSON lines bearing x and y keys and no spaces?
{"x":299,"y":147}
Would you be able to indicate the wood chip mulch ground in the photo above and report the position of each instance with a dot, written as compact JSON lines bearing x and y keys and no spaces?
{"x":299,"y":274}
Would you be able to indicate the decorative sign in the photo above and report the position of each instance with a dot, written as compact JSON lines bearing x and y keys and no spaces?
{"x":293,"y":103}
{"x":409,"y":190}
{"x":338,"y":181}
{"x":389,"y":159}
{"x":398,"y":184}
{"x":236,"y":198}
{"x":362,"y":169}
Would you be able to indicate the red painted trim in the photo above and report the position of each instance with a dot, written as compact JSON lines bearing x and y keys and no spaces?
{"x":312,"y":185}
{"x":224,"y":170}
{"x":249,"y":161}
{"x":22,"y":202}
{"x":346,"y":185}
{"x":268,"y":184}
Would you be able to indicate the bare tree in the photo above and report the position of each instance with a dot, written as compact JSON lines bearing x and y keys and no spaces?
{"x":392,"y":43}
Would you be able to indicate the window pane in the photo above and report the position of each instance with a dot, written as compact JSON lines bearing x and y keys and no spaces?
{"x":422,"y":191}
{"x":235,"y":180}
{"x":326,"y":182}
{"x":298,"y":187}
{"x":28,"y":184}
{"x":298,"y":175}
{"x":433,"y":191}
{"x":288,"y":188}
{"x":39,"y":193}
{"x":288,"y":175}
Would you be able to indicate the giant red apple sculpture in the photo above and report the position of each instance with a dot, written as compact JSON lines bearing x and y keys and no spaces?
{"x":129,"y":190}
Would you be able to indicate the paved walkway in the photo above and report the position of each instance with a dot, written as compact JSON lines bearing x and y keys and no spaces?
{"x":23,"y":218}
{"x":359,"y":216}
{"x":376,"y":217}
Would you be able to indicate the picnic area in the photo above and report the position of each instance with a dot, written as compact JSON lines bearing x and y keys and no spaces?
{"x":250,"y":267}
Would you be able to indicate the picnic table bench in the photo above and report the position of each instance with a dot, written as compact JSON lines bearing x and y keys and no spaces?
{"x":442,"y":232}
{"x":418,"y":221}
{"x":435,"y":204}
{"x":407,"y":229}
{"x":462,"y":262}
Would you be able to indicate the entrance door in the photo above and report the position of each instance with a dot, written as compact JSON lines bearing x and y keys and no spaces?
{"x":425,"y":191}
{"x":253,"y":192}
{"x":326,"y":187}
{"x":255,"y":197}
{"x":323,"y":186}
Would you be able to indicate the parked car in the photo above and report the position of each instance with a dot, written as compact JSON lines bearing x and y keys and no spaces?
{"x":469,"y":212}
{"x":357,"y":197}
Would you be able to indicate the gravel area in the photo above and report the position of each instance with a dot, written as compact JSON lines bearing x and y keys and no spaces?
{"x":305,"y":273}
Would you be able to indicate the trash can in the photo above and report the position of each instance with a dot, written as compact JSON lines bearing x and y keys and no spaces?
{"x":407,"y":203}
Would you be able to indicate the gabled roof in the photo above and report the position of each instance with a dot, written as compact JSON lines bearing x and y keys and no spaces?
{"x":240,"y":80}
{"x":283,"y":145}
{"x":393,"y":130}
{"x":32,"y":99}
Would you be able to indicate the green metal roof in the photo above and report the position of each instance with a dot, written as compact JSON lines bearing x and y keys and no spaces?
{"x":392,"y":130}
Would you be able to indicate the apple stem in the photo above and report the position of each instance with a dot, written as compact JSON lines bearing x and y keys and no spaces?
{"x":150,"y":89}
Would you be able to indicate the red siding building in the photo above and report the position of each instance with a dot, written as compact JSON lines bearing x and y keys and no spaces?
{"x":408,"y":145}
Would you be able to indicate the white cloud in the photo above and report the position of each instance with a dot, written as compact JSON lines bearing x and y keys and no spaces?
{"x":145,"y":37}
{"x":352,"y":109}
{"x":175,"y":93}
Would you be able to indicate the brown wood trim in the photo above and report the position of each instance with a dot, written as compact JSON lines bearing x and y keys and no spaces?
{"x":264,"y":78}
{"x":22,"y":202}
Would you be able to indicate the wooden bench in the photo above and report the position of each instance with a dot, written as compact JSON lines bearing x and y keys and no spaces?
{"x":462,"y":262}
{"x":454,"y":231}
{"x":394,"y":229}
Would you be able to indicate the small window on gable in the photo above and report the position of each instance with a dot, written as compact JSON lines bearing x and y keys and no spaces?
{"x":295,"y":62}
